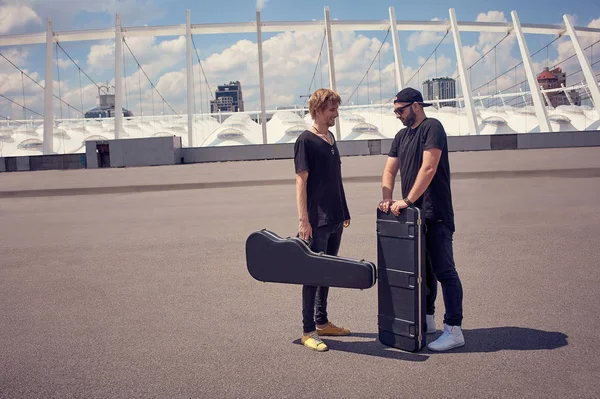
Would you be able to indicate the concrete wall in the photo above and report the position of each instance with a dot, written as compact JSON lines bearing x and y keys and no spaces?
{"x":177,"y":155}
{"x":10,"y":164}
{"x":149,"y":151}
{"x":378,"y":147}
{"x":53,"y":162}
{"x":15,"y":164}
{"x":144,"y":152}
{"x":589,"y":138}
{"x":238,"y":153}
{"x":90,"y":154}
{"x":22,"y":164}
{"x":42,"y":162}
{"x":359,"y":147}
{"x":168,"y":151}
{"x":469,"y":143}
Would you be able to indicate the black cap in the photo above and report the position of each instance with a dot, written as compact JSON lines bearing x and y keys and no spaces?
{"x":410,"y":95}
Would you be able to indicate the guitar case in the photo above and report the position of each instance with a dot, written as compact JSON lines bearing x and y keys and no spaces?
{"x":401,"y":286}
{"x":270,"y":258}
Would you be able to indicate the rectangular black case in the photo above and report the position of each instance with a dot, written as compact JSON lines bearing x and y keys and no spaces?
{"x":270,"y":258}
{"x":401,"y":279}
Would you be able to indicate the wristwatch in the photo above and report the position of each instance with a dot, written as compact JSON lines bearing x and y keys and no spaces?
{"x":405,"y":199}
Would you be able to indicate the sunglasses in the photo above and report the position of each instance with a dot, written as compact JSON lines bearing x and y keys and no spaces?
{"x":398,"y":111}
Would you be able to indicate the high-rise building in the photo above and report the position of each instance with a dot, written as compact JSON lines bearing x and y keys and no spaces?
{"x":440,"y":89}
{"x":228,"y":98}
{"x":555,"y":79}
{"x":106,"y":104}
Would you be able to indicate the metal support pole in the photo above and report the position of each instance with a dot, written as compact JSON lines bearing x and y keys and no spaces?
{"x":48,"y":146}
{"x":118,"y":78}
{"x":548,"y":102}
{"x":466,"y":86}
{"x":397,"y":55}
{"x":540,"y":109}
{"x":190,"y":77}
{"x":567,"y":94}
{"x":587,"y":91}
{"x":332,"y":84}
{"x":590,"y":79}
{"x":261,"y":77}
{"x":523,"y":95}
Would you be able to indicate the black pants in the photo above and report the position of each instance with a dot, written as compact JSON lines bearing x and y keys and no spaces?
{"x":440,"y":267}
{"x":325,"y":239}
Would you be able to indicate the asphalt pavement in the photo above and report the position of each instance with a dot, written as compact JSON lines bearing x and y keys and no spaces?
{"x":144,"y":293}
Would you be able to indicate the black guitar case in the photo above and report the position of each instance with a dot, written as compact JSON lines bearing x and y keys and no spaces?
{"x":273,"y":259}
{"x":401,"y":279}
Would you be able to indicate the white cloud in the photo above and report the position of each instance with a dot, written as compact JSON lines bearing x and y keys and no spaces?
{"x":415,"y":77}
{"x":358,"y":50}
{"x":11,"y":84}
{"x":260,"y":4}
{"x":75,"y":96}
{"x":486,"y":39}
{"x":470,"y":54}
{"x":154,"y":58}
{"x":101,"y":56}
{"x":16,"y":15}
{"x":172,"y":47}
{"x":241,"y":55}
{"x":64,"y":12}
{"x":16,"y":55}
{"x":419,"y":39}
{"x":424,"y":38}
{"x":65,"y":63}
{"x":173,"y":83}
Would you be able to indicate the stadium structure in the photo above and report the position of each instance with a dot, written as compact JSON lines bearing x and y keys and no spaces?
{"x":514,"y":111}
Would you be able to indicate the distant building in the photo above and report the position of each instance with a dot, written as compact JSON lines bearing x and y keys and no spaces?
{"x":554,"y":79}
{"x":106,"y":105}
{"x":440,"y":89}
{"x":228,"y":98}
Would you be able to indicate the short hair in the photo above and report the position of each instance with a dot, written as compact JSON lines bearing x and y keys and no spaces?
{"x":319,"y":100}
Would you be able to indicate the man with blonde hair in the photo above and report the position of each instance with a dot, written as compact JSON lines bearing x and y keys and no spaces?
{"x":322,"y":208}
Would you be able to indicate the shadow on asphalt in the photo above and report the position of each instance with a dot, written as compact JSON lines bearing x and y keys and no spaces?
{"x":370,"y":348}
{"x":510,"y":338}
{"x":477,"y":341}
{"x":498,"y":339}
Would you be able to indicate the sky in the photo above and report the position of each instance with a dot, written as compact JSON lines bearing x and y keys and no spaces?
{"x":154,"y":67}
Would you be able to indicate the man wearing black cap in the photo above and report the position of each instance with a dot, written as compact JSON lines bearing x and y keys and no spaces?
{"x":420,"y":153}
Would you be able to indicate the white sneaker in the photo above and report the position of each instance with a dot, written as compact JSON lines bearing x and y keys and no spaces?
{"x":451,"y":338}
{"x":430,"y":319}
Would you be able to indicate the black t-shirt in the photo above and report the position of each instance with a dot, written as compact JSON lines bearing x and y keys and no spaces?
{"x":325,"y":197}
{"x":408,"y":147}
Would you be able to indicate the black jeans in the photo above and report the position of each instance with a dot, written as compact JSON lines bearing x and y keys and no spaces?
{"x":440,"y":267}
{"x":325,"y":239}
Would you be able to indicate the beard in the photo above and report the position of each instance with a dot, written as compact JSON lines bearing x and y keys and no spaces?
{"x":410,"y":118}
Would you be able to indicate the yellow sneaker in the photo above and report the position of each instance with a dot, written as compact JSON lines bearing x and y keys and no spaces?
{"x":331,"y":329}
{"x":314,"y":342}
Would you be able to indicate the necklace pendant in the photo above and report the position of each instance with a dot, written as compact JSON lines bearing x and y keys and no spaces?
{"x":332,"y":151}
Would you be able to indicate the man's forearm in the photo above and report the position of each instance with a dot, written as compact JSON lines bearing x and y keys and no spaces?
{"x":301,"y":199}
{"x":422,"y":181}
{"x":387,"y":185}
